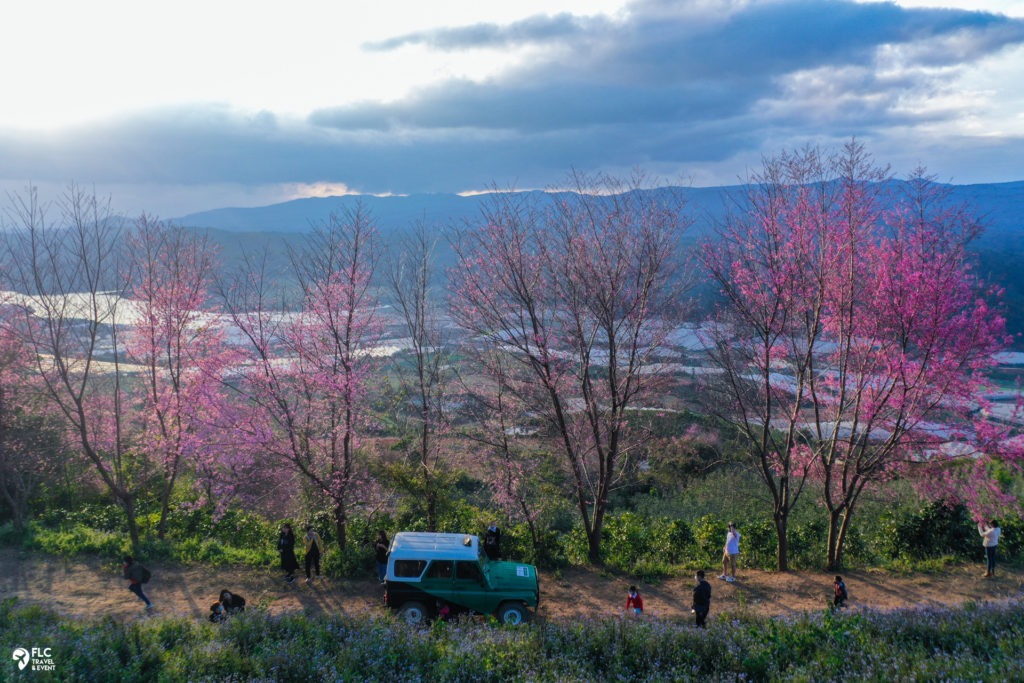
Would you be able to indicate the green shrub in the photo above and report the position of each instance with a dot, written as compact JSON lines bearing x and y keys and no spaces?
{"x":9,"y":536}
{"x":933,"y":530}
{"x":758,"y":544}
{"x":80,"y":540}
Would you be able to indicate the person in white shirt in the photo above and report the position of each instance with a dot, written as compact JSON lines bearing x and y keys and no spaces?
{"x":990,"y":539}
{"x":730,"y":553}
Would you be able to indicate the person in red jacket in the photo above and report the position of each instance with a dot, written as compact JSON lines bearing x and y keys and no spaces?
{"x":634,"y":601}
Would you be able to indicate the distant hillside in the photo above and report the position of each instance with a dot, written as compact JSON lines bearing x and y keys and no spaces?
{"x":1001,"y":205}
{"x":272,"y":229}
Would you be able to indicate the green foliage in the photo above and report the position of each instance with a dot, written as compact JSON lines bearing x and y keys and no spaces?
{"x":9,"y":536}
{"x":759,"y":545}
{"x":931,"y":531}
{"x":1011,"y":539}
{"x":976,"y":642}
{"x":79,"y":540}
{"x":99,"y":516}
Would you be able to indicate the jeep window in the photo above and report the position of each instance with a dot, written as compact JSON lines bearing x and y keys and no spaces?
{"x":468,"y":570}
{"x":440,"y":570}
{"x":409,"y":569}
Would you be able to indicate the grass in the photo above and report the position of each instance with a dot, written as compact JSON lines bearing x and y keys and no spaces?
{"x":975,"y":642}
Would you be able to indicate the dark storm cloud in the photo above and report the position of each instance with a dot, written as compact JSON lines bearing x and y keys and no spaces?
{"x":219,"y":148}
{"x":662,"y":84}
{"x":647,"y":68}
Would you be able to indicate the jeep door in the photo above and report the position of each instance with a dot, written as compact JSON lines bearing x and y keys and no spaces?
{"x":437,"y":582}
{"x":470,"y":588}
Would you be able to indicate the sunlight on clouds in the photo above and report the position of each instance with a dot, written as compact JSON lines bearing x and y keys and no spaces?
{"x":324,"y":189}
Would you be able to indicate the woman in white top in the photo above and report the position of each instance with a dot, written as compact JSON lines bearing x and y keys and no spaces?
{"x":730,"y":553}
{"x":990,"y":539}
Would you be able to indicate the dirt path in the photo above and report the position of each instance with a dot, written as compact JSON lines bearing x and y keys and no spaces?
{"x":90,"y":587}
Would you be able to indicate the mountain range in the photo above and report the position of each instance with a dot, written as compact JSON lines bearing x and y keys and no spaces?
{"x":276,"y":228}
{"x":999,"y":205}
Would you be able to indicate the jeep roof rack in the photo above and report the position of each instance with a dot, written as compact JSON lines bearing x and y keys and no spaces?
{"x":430,"y":545}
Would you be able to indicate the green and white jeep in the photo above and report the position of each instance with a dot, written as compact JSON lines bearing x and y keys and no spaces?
{"x":432,"y":573}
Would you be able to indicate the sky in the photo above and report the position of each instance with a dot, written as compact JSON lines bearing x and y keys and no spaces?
{"x":171,"y":108}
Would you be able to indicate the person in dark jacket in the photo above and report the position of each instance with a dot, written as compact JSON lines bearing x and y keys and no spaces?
{"x":701,"y":599}
{"x":136,"y":575}
{"x":228,"y":604}
{"x":492,"y":542}
{"x":839,"y":593}
{"x":380,"y":554}
{"x":286,"y":546}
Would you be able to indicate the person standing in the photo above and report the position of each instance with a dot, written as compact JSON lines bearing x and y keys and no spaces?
{"x":990,"y":539}
{"x":286,"y":547}
{"x":634,"y":602}
{"x":701,"y":599}
{"x":729,"y":553}
{"x":314,"y":549}
{"x":380,"y":554}
{"x":136,"y":575}
{"x":492,"y":542}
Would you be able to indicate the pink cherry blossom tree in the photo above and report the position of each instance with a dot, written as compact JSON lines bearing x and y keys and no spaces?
{"x":307,"y":371}
{"x":30,"y":446}
{"x":579,"y":289}
{"x":177,"y":342}
{"x":73,"y":270}
{"x":501,"y":425}
{"x":854,"y":333}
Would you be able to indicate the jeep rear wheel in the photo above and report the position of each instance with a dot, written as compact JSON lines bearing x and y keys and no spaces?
{"x":413,"y":612}
{"x":511,"y":613}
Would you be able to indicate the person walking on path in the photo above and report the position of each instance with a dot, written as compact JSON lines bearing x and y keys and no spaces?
{"x":286,"y":547}
{"x":990,"y":539}
{"x":634,"y":602}
{"x":729,"y":553}
{"x":136,"y":575}
{"x":701,"y":599}
{"x":314,"y":549}
{"x":380,"y":554}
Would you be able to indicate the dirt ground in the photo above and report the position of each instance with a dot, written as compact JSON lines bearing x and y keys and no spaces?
{"x":93,"y":587}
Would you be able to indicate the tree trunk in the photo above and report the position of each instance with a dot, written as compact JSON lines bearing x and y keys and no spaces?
{"x":835,"y":557}
{"x":594,"y":546}
{"x":833,"y":554}
{"x":782,"y":532}
{"x":594,"y":536}
{"x":128,"y":505}
{"x":340,"y":525}
{"x":165,"y":509}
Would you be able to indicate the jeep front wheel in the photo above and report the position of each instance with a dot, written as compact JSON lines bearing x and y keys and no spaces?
{"x":511,"y":613}
{"x":413,"y":612}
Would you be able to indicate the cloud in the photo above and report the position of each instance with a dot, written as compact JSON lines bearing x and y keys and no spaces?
{"x":533,"y":30}
{"x":655,"y":68}
{"x":664,"y":85}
